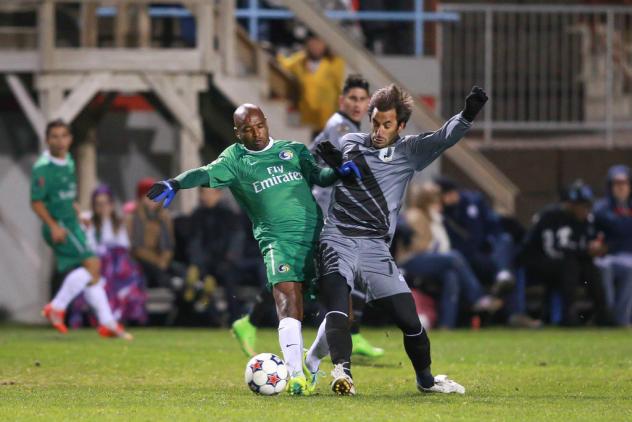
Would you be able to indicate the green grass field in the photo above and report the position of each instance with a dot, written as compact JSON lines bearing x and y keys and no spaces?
{"x":184,"y":374}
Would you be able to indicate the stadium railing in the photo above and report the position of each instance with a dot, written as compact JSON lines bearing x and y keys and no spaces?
{"x":549,"y":68}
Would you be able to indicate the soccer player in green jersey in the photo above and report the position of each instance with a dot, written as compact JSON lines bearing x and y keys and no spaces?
{"x":272,"y":179}
{"x":354,"y":104}
{"x":53,"y":194}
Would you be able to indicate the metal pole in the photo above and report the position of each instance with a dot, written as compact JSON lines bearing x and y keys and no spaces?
{"x":489,"y":58}
{"x":609,"y":78}
{"x":419,"y":27}
{"x":253,"y":20}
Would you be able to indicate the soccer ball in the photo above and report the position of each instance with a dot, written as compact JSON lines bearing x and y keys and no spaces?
{"x":266,"y":374}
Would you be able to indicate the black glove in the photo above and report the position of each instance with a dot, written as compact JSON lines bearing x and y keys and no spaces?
{"x":164,"y":190}
{"x":474,"y":102}
{"x":330,"y":155}
{"x":333,"y":158}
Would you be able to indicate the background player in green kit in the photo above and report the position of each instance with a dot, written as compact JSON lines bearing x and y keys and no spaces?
{"x":271,"y":180}
{"x":53,"y":194}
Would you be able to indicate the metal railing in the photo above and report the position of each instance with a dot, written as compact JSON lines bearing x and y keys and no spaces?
{"x":547,"y":68}
{"x":255,"y":13}
{"x":418,"y":16}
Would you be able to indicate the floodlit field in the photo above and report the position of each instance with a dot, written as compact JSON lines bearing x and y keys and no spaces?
{"x":184,"y":374}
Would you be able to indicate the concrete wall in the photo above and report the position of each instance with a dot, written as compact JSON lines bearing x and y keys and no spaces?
{"x":24,"y":260}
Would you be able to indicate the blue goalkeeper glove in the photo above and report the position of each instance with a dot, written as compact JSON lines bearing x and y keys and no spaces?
{"x":349,"y":168}
{"x":164,"y":190}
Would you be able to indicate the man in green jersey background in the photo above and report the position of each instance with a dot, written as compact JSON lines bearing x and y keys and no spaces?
{"x":271,"y":180}
{"x":53,"y":195}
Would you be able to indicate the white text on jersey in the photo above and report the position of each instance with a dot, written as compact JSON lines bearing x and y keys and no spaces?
{"x":262,"y":185}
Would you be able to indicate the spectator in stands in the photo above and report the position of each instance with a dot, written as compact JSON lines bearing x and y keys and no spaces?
{"x":320,"y":75}
{"x":214,"y":251}
{"x":151,"y":238}
{"x":559,"y":250}
{"x":108,"y":237}
{"x":106,"y":229}
{"x":429,"y":255}
{"x":125,"y":286}
{"x":475,"y":231}
{"x":613,"y":215}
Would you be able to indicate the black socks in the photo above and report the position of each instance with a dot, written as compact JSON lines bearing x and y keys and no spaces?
{"x":264,"y":299}
{"x":339,"y":339}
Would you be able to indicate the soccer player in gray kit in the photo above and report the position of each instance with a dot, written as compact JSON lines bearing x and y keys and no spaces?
{"x":359,"y":228}
{"x":353,"y":107}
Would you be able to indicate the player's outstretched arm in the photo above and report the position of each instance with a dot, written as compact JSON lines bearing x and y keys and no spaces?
{"x":455,"y":128}
{"x":426,"y":147}
{"x":166,"y":190}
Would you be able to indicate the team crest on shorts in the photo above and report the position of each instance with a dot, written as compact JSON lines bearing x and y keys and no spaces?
{"x":286,"y":155}
{"x":283,"y":268}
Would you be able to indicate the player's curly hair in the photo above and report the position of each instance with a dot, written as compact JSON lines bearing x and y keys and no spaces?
{"x":56,"y":123}
{"x":392,"y":97}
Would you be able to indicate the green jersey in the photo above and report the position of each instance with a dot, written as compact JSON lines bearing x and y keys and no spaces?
{"x":272,"y":185}
{"x":55,"y":184}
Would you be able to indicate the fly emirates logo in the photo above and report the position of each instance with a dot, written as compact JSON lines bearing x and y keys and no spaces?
{"x":277,"y":177}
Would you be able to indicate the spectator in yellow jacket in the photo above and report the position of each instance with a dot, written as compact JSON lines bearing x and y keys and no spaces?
{"x":320,"y":76}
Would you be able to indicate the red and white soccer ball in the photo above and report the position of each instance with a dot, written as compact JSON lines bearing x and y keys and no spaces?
{"x":266,"y":374}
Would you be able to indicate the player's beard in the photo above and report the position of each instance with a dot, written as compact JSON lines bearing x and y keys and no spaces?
{"x":382,"y":143}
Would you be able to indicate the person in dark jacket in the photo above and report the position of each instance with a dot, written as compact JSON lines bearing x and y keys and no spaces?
{"x":152,"y":239}
{"x":475,"y":231}
{"x":559,"y":250}
{"x":214,"y":250}
{"x":613,"y":215}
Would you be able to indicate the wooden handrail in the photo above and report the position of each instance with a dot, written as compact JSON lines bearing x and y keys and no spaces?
{"x":282,"y":84}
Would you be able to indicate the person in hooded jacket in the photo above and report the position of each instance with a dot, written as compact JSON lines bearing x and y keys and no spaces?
{"x":475,"y":231}
{"x":613,"y":215}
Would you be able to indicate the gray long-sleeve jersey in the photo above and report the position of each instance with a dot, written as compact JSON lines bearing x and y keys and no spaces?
{"x":368,"y":208}
{"x":337,"y":126}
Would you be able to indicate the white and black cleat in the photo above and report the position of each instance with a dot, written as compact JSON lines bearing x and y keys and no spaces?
{"x":342,"y":383}
{"x":443,"y":384}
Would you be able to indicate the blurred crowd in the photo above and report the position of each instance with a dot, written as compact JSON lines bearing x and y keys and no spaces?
{"x":468,"y":265}
{"x":195,"y":264}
